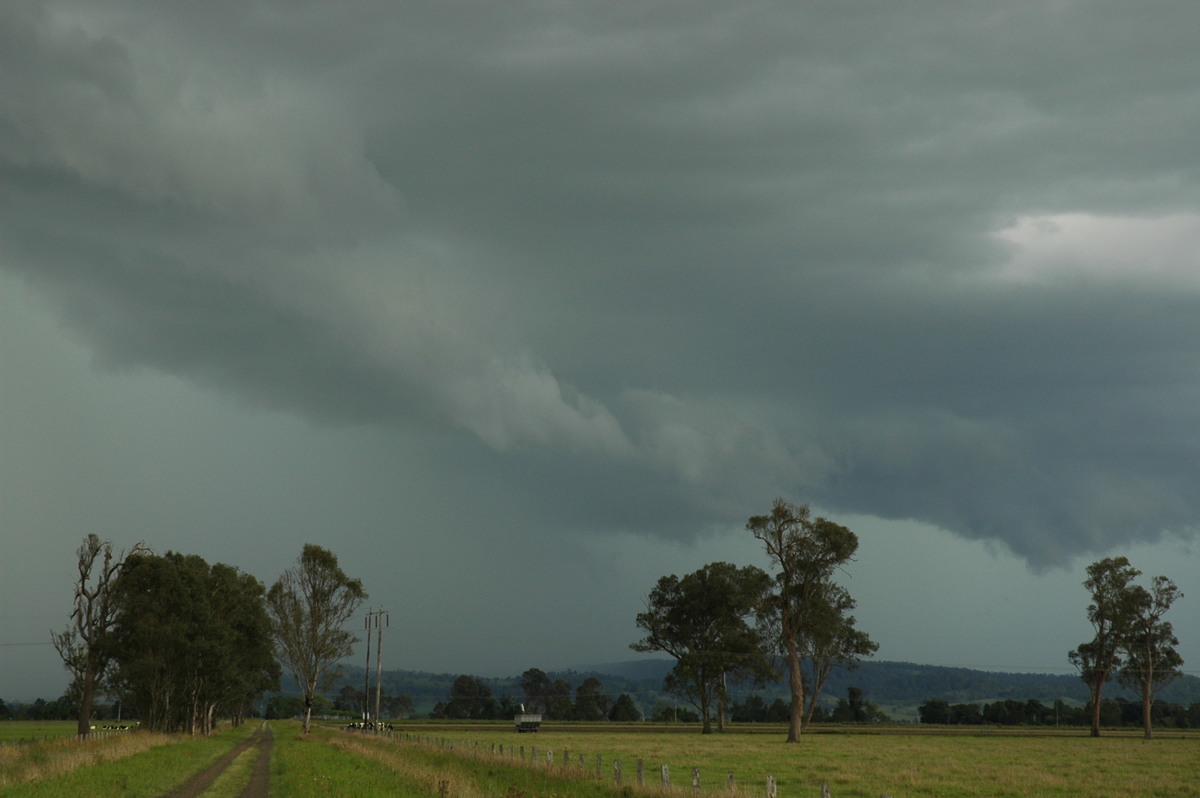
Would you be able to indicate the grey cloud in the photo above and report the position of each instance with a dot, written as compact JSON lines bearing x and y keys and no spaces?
{"x":696,"y":253}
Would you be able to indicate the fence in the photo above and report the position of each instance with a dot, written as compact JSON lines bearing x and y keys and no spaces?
{"x":581,"y":766}
{"x":79,"y":738}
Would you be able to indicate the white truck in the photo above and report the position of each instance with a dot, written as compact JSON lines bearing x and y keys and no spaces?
{"x":527,"y":721}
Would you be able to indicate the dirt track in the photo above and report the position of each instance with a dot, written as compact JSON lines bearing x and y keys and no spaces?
{"x":259,"y":778}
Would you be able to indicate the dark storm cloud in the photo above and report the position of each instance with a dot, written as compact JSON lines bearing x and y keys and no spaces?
{"x":663,"y":260}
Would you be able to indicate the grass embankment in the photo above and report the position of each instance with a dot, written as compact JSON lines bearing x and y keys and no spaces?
{"x":133,"y":764}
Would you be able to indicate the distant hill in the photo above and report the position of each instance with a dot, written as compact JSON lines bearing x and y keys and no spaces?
{"x":896,"y":687}
{"x":904,"y":682}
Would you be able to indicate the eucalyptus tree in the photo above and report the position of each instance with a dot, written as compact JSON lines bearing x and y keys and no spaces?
{"x":1151,"y":660}
{"x":558,"y":700}
{"x":536,"y":686}
{"x":1111,"y":613}
{"x":591,"y":700}
{"x":828,"y":640}
{"x":705,"y":621}
{"x":624,"y":709}
{"x":470,"y":697}
{"x":84,"y":646}
{"x":239,"y":659}
{"x":308,"y":605}
{"x":804,"y":552}
{"x":191,"y":641}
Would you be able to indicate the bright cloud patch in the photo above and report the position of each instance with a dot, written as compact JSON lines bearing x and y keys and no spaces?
{"x":1159,"y":249}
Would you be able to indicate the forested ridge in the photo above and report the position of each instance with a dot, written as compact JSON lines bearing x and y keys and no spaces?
{"x":882,"y":682}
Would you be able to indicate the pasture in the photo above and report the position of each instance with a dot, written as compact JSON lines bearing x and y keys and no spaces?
{"x":476,"y":762}
{"x":29,"y":730}
{"x":905,"y":760}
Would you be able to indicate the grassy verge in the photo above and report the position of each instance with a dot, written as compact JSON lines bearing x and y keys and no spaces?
{"x":131,"y":765}
{"x":444,"y":773}
{"x":312,"y":767}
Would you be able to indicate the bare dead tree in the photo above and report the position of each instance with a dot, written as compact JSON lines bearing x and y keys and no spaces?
{"x":83,"y":645}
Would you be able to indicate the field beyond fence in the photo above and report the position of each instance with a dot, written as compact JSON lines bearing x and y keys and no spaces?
{"x":847,"y":761}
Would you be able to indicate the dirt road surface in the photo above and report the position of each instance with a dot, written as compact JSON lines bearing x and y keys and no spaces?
{"x":259,"y":778}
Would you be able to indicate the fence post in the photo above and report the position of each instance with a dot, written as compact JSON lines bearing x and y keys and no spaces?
{"x":617,"y":771}
{"x":666,"y":775}
{"x":566,"y":763}
{"x":641,"y":773}
{"x":696,"y":780}
{"x":549,"y":757}
{"x":599,"y":770}
{"x":771,"y":787}
{"x":730,"y":785}
{"x":825,"y":791}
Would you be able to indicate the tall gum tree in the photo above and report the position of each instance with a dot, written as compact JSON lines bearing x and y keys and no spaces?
{"x":830,"y":640}
{"x":308,"y":605}
{"x":1150,"y":658}
{"x":1111,"y":613}
{"x":805,"y":552}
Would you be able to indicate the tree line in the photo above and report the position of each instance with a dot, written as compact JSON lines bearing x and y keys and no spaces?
{"x":1032,"y":712}
{"x":180,"y":642}
{"x":471,"y":698}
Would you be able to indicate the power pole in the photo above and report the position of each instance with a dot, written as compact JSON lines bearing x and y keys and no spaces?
{"x":367,"y":670}
{"x":376,"y":619}
{"x":387,"y":621}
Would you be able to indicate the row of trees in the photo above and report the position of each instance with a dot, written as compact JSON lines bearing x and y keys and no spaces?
{"x":1132,"y":642}
{"x":1032,"y":712}
{"x":180,"y":641}
{"x":725,"y":622}
{"x":64,"y":708}
{"x":854,"y":708}
{"x":471,"y":698}
{"x":176,"y":638}
{"x":352,"y":701}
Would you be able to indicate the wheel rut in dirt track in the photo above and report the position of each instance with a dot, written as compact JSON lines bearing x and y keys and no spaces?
{"x":259,"y":778}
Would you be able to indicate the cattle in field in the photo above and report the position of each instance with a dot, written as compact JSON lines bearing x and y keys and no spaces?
{"x":369,"y":725}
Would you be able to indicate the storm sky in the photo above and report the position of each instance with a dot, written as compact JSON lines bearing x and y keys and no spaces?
{"x":518,"y":306}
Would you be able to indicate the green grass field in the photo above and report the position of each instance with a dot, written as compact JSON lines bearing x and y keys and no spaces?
{"x":481,"y":762}
{"x":906,"y":761}
{"x":16,"y":730}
